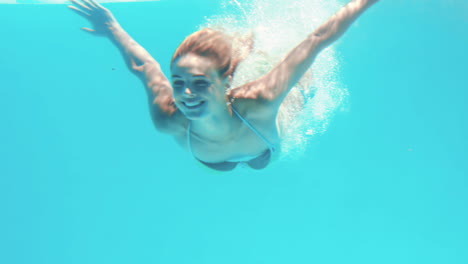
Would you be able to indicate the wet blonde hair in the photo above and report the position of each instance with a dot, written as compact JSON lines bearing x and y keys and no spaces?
{"x":227,"y":51}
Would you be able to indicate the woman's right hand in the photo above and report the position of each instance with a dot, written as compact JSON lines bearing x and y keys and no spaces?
{"x":100,"y":17}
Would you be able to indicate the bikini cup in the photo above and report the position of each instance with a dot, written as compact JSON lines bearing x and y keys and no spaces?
{"x":221,"y":166}
{"x":257,"y":163}
{"x":261,"y":161}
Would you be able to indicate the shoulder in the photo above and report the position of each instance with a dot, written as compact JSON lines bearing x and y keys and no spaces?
{"x":256,"y":110}
{"x":270,"y":89}
{"x":255,"y":96}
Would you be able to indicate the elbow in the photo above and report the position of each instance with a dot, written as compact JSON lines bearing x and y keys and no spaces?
{"x":326,"y":29}
{"x":318,"y":42}
{"x":136,"y":67}
{"x":327,"y":33}
{"x":142,"y":65}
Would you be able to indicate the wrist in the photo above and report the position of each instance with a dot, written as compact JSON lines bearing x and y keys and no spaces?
{"x":113,"y":26}
{"x":114,"y":29}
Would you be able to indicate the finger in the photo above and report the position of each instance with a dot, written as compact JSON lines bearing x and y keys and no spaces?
{"x":96,"y":4}
{"x":88,"y":30}
{"x":80,"y":5}
{"x":80,"y":12}
{"x":93,"y":6}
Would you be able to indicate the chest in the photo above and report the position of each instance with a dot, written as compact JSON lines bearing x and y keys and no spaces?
{"x":245,"y":142}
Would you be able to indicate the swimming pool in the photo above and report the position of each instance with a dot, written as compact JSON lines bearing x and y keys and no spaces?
{"x":85,"y":178}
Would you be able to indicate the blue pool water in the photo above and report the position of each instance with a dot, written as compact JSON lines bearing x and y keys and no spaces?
{"x":85,"y":178}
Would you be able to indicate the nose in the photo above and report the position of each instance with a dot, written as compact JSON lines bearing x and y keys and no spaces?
{"x":188,"y":91}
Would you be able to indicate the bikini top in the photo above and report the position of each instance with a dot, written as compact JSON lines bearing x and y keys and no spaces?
{"x":258,"y":162}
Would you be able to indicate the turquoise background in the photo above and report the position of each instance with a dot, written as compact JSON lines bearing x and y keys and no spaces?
{"x":85,"y":178}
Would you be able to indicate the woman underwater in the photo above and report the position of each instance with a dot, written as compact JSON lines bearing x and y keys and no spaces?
{"x":221,"y":126}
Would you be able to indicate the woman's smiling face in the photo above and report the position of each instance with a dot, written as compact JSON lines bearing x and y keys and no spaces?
{"x":198,"y":88}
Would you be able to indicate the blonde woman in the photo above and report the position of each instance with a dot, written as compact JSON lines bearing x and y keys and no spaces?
{"x":220,"y":125}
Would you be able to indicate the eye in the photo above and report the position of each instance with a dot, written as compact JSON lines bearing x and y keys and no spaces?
{"x":201,"y":83}
{"x":178,"y":83}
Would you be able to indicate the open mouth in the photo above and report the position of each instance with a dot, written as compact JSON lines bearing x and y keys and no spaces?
{"x":193,"y":105}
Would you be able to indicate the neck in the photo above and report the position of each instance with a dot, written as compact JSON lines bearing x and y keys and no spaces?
{"x":218,"y":126}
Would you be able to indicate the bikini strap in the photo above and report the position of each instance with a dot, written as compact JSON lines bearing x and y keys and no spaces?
{"x":188,"y":138}
{"x":269,"y":144}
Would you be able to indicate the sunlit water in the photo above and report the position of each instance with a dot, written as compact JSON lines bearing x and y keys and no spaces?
{"x":374,"y":168}
{"x":278,"y":26}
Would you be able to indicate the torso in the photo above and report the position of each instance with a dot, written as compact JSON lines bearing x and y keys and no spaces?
{"x":243,"y":142}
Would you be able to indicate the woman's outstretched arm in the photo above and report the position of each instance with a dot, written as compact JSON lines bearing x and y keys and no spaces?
{"x":138,"y":60}
{"x":275,"y":85}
